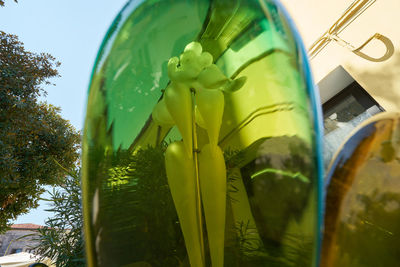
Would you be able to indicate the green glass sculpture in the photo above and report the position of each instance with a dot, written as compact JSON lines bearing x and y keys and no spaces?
{"x":363,"y":197}
{"x":202,"y":139}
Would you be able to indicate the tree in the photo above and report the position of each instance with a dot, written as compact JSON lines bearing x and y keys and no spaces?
{"x":34,"y":138}
{"x":61,"y":239}
{"x":2,"y":2}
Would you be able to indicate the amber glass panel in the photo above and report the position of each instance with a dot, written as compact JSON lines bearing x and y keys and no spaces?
{"x":363,"y":199}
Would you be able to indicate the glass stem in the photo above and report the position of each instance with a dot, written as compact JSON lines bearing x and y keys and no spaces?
{"x":196,"y":166}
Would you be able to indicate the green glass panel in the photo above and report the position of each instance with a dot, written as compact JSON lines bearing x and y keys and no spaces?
{"x":243,"y":188}
{"x":363,"y":198}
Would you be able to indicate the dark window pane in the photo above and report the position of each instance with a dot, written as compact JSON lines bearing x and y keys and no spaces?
{"x":344,"y":112}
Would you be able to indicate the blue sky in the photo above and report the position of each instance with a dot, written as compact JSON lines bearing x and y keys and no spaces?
{"x":71,"y":31}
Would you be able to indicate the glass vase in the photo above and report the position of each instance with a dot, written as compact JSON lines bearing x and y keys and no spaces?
{"x":202,"y":139}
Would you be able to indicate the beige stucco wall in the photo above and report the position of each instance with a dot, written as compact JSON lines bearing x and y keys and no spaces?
{"x":381,"y":80}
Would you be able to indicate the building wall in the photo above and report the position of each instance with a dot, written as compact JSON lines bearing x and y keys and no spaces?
{"x":381,"y":80}
{"x":26,"y":244}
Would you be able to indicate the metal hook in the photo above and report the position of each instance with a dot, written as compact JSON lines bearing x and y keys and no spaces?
{"x":386,"y":41}
{"x":351,"y":13}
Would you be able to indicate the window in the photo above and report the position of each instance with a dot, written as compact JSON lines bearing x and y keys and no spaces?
{"x":16,"y":250}
{"x":342,"y":113}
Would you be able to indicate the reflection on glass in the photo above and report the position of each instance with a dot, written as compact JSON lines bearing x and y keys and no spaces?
{"x":363,"y":198}
{"x":200,"y":139}
{"x":343,"y":113}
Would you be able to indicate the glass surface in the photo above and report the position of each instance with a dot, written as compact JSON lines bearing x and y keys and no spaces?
{"x":243,"y":187}
{"x":363,"y":198}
